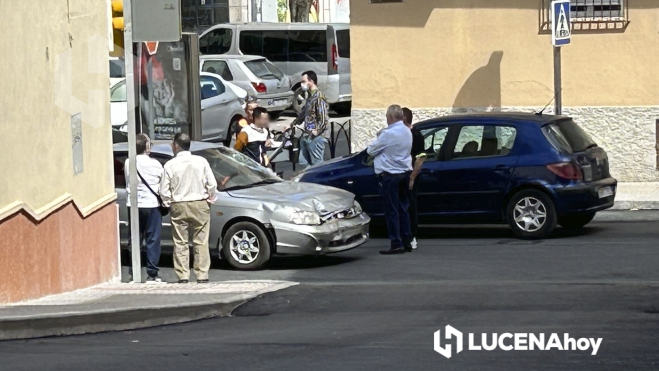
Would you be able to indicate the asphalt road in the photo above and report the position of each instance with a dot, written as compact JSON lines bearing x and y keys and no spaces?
{"x":363,"y":311}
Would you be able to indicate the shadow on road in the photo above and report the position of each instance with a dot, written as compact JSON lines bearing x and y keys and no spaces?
{"x":294,"y":262}
{"x":482,"y":232}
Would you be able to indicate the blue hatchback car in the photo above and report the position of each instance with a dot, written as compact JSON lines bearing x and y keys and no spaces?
{"x":531,"y":171}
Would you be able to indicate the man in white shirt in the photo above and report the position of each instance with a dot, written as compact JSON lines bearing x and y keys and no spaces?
{"x":393,"y":164}
{"x":150,"y":173}
{"x":188,"y":188}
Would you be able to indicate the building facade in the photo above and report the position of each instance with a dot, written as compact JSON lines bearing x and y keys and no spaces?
{"x":58,"y":219}
{"x":458,"y":56}
{"x":198,"y":15}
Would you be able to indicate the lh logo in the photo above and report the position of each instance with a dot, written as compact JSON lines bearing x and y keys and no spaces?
{"x":446,"y":350}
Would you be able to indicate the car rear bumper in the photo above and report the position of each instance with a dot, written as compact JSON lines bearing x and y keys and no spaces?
{"x":275,"y":102}
{"x":584,"y":197}
{"x":331,"y":237}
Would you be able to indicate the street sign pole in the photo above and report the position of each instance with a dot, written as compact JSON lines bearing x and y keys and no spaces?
{"x":135,"y":239}
{"x":558,"y":98}
{"x":561,"y":32}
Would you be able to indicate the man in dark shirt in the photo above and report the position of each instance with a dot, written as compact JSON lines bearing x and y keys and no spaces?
{"x":418,"y":148}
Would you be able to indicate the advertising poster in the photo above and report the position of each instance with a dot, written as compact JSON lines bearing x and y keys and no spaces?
{"x":163,"y":97}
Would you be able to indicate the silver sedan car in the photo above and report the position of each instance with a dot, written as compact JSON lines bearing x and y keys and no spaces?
{"x":257,"y":214}
{"x":257,"y":75}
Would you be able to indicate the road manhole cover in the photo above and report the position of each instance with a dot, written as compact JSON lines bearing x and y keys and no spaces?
{"x":518,"y":242}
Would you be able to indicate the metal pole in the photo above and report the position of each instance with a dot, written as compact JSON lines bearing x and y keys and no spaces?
{"x":152,"y":109}
{"x":558,"y":110}
{"x":132,"y":150}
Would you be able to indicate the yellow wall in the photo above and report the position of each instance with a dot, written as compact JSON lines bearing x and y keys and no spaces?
{"x":481,"y":53}
{"x":36,"y":134}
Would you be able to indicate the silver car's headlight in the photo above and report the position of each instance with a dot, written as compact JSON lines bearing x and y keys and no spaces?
{"x":357,"y":207}
{"x":304,"y":217}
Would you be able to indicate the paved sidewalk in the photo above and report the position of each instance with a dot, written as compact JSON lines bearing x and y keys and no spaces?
{"x":123,"y":306}
{"x":641,"y":196}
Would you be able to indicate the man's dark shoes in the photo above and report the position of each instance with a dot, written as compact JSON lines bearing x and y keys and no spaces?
{"x":395,"y":251}
{"x":408,"y":249}
{"x":183,"y":281}
{"x":202,"y":281}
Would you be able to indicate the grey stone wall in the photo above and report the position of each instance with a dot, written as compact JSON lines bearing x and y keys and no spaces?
{"x":626,"y":133}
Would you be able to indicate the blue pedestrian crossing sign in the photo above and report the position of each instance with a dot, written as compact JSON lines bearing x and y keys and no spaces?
{"x":561,"y":30}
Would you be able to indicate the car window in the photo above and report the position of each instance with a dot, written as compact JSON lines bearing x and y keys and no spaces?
{"x":275,"y":45}
{"x":233,"y":169}
{"x":484,"y":141}
{"x":216,"y":41}
{"x":264,"y":69}
{"x":433,"y":139}
{"x":251,"y":42}
{"x":119,"y":176}
{"x":118,"y":92}
{"x":219,"y":68}
{"x":117,"y":69}
{"x":211,"y":87}
{"x":343,"y":41}
{"x":567,"y":136}
{"x":307,"y":46}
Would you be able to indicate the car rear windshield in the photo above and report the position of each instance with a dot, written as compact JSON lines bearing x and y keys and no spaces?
{"x":567,"y":136}
{"x":263,"y":69}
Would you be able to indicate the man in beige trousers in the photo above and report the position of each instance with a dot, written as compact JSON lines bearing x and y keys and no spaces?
{"x":188,"y":188}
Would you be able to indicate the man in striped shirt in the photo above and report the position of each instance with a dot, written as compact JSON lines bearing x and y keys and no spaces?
{"x":314,"y":122}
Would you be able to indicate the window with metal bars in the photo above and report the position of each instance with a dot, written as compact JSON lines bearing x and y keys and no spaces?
{"x":590,"y":15}
{"x":596,"y":9}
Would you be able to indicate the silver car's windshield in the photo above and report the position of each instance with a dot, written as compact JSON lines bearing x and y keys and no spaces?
{"x":233,"y":170}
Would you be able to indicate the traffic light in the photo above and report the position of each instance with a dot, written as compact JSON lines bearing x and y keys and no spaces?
{"x":118,"y":28}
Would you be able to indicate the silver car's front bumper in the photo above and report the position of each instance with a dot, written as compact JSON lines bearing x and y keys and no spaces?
{"x":330,"y":237}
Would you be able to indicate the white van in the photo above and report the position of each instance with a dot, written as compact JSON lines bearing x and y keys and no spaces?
{"x":293,"y":48}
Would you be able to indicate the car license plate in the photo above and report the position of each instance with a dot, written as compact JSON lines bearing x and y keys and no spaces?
{"x":605,"y":192}
{"x":276,"y":102}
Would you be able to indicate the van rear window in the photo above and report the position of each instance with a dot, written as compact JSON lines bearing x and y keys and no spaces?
{"x":286,"y":46}
{"x":567,"y":136}
{"x":343,"y":41}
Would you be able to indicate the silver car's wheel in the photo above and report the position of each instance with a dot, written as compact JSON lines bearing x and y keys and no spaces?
{"x":244,"y":247}
{"x":530,"y":214}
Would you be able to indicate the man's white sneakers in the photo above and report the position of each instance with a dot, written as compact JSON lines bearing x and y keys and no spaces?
{"x":414,"y":244}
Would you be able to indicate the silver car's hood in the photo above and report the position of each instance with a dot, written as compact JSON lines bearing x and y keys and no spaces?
{"x":304,"y":196}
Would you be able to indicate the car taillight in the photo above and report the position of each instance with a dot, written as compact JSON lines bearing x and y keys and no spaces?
{"x":335,"y":57}
{"x":566,"y":170}
{"x":260,"y":87}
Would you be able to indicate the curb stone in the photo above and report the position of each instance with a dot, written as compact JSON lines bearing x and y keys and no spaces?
{"x":635,"y":205}
{"x":79,"y":323}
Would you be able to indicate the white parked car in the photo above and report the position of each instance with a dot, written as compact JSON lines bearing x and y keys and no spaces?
{"x":256,"y":74}
{"x":222,"y":106}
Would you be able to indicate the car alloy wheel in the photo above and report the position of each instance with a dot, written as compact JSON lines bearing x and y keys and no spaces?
{"x":244,"y":247}
{"x":530,"y":214}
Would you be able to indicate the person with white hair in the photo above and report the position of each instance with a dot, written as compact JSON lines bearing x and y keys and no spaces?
{"x":393,"y":165}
